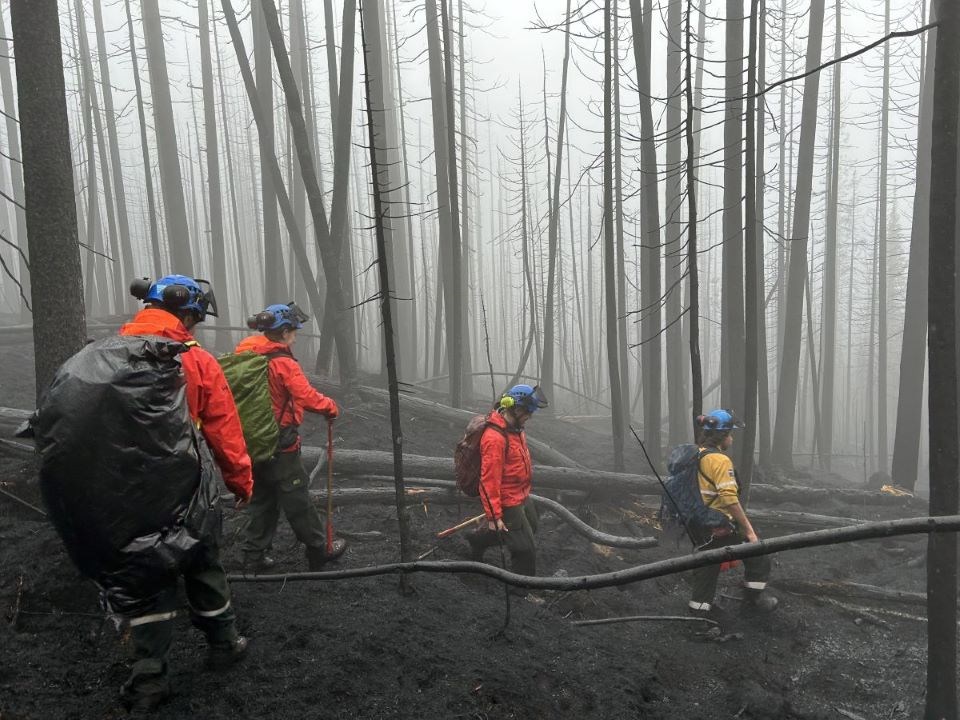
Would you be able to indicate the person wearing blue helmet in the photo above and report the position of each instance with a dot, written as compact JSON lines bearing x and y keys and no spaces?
{"x":175,"y":305}
{"x":719,"y":490}
{"x":281,"y":482}
{"x":506,"y":474}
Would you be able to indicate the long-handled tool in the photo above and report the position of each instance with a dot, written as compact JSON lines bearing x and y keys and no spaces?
{"x":329,"y":487}
{"x":457,"y":528}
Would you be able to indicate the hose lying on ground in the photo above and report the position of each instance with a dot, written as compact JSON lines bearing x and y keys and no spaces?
{"x":889,"y":528}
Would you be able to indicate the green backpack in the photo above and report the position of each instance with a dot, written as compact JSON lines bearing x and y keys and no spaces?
{"x":248,"y":378}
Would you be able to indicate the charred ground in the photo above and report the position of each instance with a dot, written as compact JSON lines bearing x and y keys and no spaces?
{"x":362,"y":648}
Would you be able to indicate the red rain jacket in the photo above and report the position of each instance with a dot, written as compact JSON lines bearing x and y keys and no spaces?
{"x":208,"y":398}
{"x":506,"y":471}
{"x":290,"y":390}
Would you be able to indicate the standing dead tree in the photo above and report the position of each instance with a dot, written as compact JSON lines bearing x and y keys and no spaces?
{"x":343,"y":325}
{"x":373,"y":84}
{"x":59,"y":327}
{"x":609,"y":260}
{"x":942,"y":348}
{"x":174,"y":209}
{"x":346,"y":349}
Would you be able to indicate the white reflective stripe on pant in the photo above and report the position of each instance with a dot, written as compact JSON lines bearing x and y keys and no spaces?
{"x":694,"y":605}
{"x":210,"y":613}
{"x":154,"y":618}
{"x":755,"y":585}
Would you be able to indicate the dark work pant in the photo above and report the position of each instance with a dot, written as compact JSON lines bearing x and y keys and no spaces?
{"x":755,"y":576}
{"x":281,"y":483}
{"x":522,"y":522}
{"x":210,"y":611}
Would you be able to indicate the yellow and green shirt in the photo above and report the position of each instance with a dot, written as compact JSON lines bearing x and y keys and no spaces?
{"x":718,"y":482}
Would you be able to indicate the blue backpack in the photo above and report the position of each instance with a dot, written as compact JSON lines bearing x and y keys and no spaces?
{"x":682,"y":509}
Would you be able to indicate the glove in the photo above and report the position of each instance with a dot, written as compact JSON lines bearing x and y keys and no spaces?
{"x":334,"y":412}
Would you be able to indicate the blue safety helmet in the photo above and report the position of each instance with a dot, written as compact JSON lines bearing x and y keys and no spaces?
{"x":529,"y":398}
{"x":722,"y":420}
{"x":276,"y":317}
{"x":177,"y":293}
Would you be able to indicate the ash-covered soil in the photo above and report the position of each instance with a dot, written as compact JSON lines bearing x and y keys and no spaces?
{"x":364,"y":649}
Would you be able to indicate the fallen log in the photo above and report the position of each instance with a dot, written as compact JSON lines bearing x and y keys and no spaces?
{"x":782,"y":518}
{"x":447,"y":496}
{"x":639,"y":573}
{"x":541,"y":451}
{"x":857,"y":591}
{"x":375,"y":462}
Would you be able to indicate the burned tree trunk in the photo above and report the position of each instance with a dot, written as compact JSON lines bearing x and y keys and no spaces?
{"x":274,"y":287}
{"x":650,"y":302}
{"x":829,"y":337}
{"x":386,"y":310}
{"x":218,"y":243}
{"x":343,"y":325}
{"x":609,"y":261}
{"x":906,"y":444}
{"x":145,"y":150}
{"x":792,"y":327}
{"x":942,"y":348}
{"x":673,"y":250}
{"x":16,"y":165}
{"x":123,"y":221}
{"x":175,"y":211}
{"x":546,"y":371}
{"x":59,"y":328}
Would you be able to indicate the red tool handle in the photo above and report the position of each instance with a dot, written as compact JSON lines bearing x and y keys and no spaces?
{"x":329,"y":487}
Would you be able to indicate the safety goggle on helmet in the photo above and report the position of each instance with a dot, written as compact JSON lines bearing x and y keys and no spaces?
{"x":276,"y":317}
{"x":721,"y":419}
{"x":177,"y":293}
{"x":527,"y":397}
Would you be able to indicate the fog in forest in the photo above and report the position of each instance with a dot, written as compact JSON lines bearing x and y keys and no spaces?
{"x":159,"y":190}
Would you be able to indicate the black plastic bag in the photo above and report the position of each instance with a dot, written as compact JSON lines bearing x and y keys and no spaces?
{"x":126,"y":476}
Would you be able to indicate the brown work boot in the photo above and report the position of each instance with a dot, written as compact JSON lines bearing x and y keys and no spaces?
{"x":224,"y":654}
{"x":318,"y":557}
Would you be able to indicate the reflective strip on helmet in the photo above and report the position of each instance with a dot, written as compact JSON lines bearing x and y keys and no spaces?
{"x":154,"y":618}
{"x":210,"y":613}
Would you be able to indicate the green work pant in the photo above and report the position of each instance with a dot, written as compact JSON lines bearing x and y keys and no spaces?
{"x":211,"y":611}
{"x":756,"y":572}
{"x":281,"y":483}
{"x":522,"y":522}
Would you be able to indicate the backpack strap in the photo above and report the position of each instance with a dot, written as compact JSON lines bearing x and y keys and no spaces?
{"x":506,"y":438}
{"x":271,"y":356}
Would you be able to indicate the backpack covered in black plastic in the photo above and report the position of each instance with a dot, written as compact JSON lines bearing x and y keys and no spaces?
{"x":682,"y":510}
{"x":128,"y":480}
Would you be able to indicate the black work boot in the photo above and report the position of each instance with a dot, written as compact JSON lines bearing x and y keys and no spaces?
{"x":258,"y":564}
{"x":477,"y":546}
{"x":224,"y":654}
{"x":318,"y":557}
{"x":144,"y":693}
{"x":759,"y":601}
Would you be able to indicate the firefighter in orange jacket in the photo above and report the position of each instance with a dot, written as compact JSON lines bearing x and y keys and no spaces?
{"x":176,"y":304}
{"x":281,"y":483}
{"x":506,"y":474}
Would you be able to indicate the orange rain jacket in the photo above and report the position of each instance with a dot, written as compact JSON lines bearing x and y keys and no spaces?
{"x":208,"y":398}
{"x":506,"y":471}
{"x":290,"y":391}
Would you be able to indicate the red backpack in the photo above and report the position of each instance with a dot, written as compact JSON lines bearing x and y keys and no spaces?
{"x":466,"y":456}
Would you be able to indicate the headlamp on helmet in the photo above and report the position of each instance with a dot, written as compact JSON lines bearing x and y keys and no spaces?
{"x":720,"y":420}
{"x":277,"y":317}
{"x":177,"y":293}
